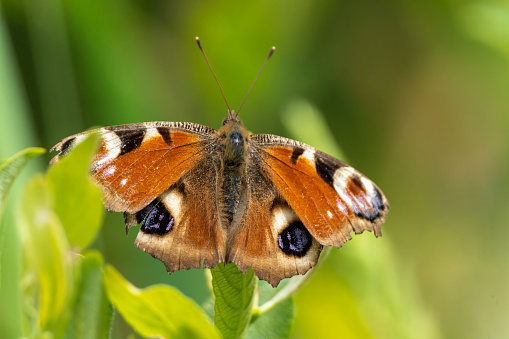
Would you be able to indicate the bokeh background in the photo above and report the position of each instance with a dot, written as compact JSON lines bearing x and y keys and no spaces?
{"x":416,"y":93}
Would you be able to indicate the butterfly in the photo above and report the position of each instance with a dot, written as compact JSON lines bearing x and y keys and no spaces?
{"x":205,"y":196}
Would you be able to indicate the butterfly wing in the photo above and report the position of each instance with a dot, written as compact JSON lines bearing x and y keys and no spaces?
{"x":331,"y":198}
{"x":297,"y":200}
{"x":181,"y":227}
{"x":137,"y":162}
{"x":266,"y":233}
{"x":162,"y":175}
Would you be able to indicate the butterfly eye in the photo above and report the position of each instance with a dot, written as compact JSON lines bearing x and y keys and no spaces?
{"x":295,"y":239}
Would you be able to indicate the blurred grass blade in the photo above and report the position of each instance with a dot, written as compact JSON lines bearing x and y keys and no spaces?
{"x":16,"y":132}
{"x":307,"y":124}
{"x":157,"y":311}
{"x":52,"y":64}
{"x":78,"y":201}
{"x":91,"y":312}
{"x":233,"y":293}
{"x":45,"y":250}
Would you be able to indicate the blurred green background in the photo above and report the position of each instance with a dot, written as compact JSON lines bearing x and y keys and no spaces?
{"x":415,"y":92}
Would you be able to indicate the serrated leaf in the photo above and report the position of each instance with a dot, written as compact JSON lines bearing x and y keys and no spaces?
{"x":275,"y":323}
{"x":91,"y":310}
{"x":45,"y":250}
{"x":78,"y":201}
{"x":157,"y":311}
{"x":233,"y":292}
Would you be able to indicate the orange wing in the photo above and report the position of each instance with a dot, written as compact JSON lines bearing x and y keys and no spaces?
{"x":137,"y":162}
{"x":267,"y":234}
{"x":331,"y":198}
{"x":181,"y":227}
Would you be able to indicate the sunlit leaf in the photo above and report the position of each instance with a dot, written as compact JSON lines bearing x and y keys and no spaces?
{"x":91,"y":310}
{"x":78,"y":201}
{"x":487,"y":22}
{"x":157,"y":311}
{"x":9,"y":170}
{"x":233,"y":292}
{"x":277,"y":322}
{"x":45,"y":251}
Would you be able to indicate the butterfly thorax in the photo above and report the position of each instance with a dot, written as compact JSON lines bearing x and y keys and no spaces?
{"x":234,"y":139}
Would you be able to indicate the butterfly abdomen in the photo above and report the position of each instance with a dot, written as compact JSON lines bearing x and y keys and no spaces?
{"x":233,"y":139}
{"x":231,"y":190}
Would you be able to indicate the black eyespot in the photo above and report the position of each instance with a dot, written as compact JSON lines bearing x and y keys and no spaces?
{"x":155,"y":218}
{"x":295,"y":239}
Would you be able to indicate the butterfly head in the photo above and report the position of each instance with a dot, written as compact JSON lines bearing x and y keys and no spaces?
{"x":234,"y":139}
{"x":232,"y":117}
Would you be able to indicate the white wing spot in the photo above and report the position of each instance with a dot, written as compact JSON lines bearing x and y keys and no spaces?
{"x":368,"y":185}
{"x":110,"y":170}
{"x":282,"y":217}
{"x":151,"y":133}
{"x":309,"y":155}
{"x":112,"y":144}
{"x":173,"y":202}
{"x":341,"y":178}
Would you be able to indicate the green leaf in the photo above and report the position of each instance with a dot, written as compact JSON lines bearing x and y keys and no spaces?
{"x":233,"y":292}
{"x":91,"y":311}
{"x":277,"y":321}
{"x":487,"y":22}
{"x":78,"y":201}
{"x":9,"y":170}
{"x":46,"y":255}
{"x":157,"y":311}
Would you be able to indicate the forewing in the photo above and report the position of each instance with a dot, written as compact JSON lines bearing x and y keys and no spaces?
{"x":135,"y":163}
{"x":331,"y":198}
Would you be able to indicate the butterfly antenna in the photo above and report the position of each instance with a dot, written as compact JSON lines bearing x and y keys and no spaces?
{"x":214,"y":74}
{"x":256,"y":79}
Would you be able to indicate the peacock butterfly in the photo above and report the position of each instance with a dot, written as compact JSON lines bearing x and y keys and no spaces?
{"x":206,"y":196}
